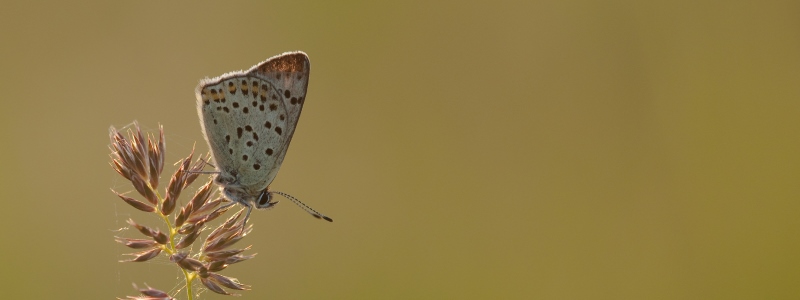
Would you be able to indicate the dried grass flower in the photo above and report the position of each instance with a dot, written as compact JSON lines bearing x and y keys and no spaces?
{"x":140,"y":160}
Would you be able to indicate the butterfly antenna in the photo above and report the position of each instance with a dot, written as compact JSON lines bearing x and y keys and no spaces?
{"x":305,"y":207}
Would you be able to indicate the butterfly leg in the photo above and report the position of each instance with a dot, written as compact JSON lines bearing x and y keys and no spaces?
{"x":222,"y":208}
{"x":225,"y":206}
{"x":247,"y":216}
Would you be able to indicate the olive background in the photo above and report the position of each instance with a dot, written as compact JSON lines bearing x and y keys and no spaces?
{"x":466,"y":150}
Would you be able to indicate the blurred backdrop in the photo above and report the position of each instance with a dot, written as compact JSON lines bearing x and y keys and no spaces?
{"x":495,"y":150}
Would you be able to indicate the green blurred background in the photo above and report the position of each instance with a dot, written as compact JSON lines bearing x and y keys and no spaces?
{"x":496,"y":150}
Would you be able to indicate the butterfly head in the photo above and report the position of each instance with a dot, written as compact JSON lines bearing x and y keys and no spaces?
{"x":264,"y":200}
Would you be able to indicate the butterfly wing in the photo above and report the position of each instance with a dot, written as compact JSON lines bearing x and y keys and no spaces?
{"x":290,"y":73}
{"x":218,"y":123}
{"x":249,"y":118}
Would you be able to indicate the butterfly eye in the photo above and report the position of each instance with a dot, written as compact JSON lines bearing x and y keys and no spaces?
{"x":264,"y":199}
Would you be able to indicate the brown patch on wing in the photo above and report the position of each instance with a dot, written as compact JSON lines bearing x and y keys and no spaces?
{"x":292,"y":62}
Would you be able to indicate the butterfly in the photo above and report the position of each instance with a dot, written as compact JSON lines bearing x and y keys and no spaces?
{"x":248,"y":119}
